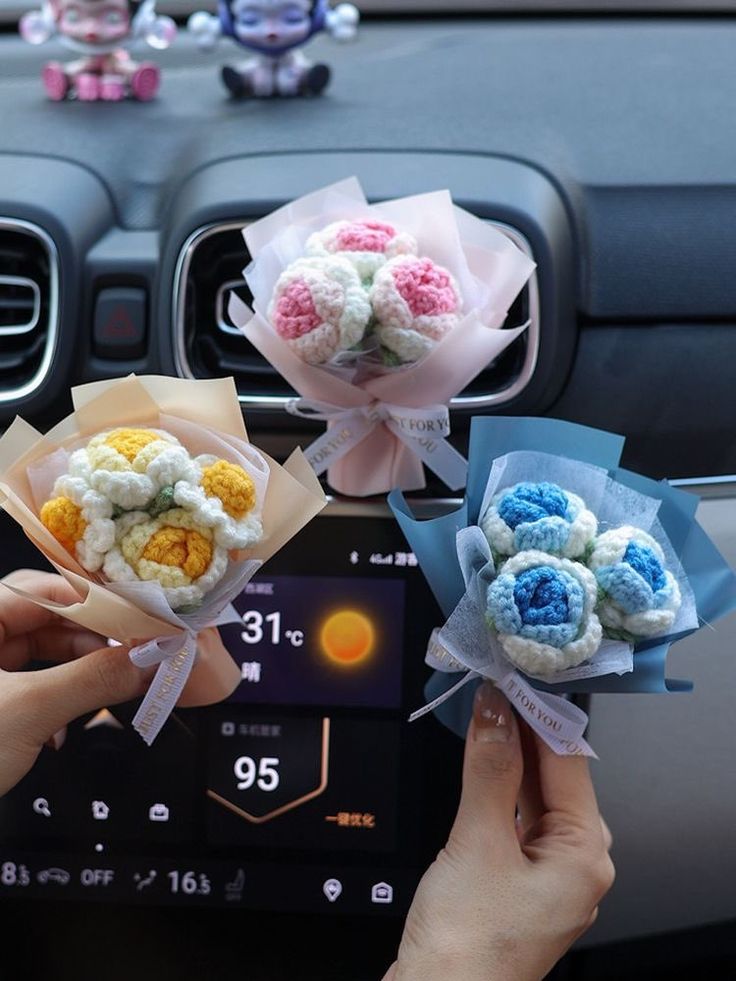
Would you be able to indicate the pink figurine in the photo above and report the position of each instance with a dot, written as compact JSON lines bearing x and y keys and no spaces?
{"x":99,"y":31}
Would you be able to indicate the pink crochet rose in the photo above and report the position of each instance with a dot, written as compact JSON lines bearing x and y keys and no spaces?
{"x":320,"y":308}
{"x":366,"y":244}
{"x":415,"y":303}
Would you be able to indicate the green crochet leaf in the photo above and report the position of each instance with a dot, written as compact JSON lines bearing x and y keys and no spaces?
{"x":162,"y":502}
{"x":390,"y":358}
{"x":184,"y":611}
{"x":622,"y":635}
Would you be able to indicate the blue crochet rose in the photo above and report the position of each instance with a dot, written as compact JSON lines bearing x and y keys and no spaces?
{"x":639,"y":596}
{"x":542,"y":608}
{"x":539,"y":516}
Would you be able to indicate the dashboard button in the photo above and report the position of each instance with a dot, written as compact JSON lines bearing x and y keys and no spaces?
{"x":382,"y":892}
{"x":54,"y":875}
{"x":144,"y":879}
{"x":332,"y":889}
{"x":234,"y":888}
{"x":41,"y":806}
{"x":120,"y":323}
{"x":100,"y":810}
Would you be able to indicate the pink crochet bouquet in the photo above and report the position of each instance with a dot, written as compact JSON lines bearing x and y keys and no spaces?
{"x":378,"y":315}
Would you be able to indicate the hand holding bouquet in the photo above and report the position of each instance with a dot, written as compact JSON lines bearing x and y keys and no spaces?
{"x":154,"y":506}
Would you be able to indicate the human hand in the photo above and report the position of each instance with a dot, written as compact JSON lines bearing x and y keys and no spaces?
{"x":505,"y":899}
{"x":34,"y":705}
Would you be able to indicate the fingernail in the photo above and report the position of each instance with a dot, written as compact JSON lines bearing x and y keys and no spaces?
{"x":491,"y":715}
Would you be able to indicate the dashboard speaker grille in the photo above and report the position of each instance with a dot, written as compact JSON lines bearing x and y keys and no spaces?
{"x":208,"y":345}
{"x":28,"y":307}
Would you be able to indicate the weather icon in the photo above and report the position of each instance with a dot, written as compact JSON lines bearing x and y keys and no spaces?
{"x":347,"y":637}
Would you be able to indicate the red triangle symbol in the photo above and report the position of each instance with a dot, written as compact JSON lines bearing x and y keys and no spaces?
{"x":119,"y":324}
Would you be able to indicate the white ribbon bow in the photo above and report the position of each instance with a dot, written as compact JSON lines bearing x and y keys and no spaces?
{"x":424,"y":431}
{"x":558,"y":722}
{"x":175,"y":654}
{"x":175,"y":657}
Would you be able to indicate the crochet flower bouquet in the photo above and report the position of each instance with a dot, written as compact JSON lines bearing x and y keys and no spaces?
{"x":561,"y":573}
{"x":378,"y":315}
{"x":152,"y":503}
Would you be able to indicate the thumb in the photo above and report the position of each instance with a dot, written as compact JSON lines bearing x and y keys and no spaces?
{"x":492,"y":772}
{"x":58,"y":695}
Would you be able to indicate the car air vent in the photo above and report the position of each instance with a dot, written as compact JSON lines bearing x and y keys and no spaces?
{"x":28,"y":307}
{"x":208,"y":345}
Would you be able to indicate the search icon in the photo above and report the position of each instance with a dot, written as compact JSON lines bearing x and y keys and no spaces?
{"x":41,"y":806}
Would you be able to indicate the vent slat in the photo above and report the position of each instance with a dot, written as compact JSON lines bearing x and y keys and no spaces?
{"x":17,"y":303}
{"x":27,"y":308}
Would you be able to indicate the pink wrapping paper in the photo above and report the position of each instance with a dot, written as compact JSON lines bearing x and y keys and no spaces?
{"x":489,"y":268}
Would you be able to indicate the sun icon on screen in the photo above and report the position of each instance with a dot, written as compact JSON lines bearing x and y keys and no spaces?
{"x":347,"y":637}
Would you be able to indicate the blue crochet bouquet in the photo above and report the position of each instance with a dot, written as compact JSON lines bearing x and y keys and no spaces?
{"x":566,"y":574}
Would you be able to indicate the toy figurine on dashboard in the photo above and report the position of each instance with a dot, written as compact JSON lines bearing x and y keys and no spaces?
{"x":100,"y":31}
{"x":274,"y":30}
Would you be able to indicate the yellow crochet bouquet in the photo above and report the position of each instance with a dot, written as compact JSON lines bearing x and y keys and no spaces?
{"x":136,"y":504}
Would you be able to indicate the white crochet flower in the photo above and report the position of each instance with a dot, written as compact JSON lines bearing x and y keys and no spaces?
{"x":639,"y":596}
{"x":130,"y":466}
{"x":543,"y":610}
{"x":319,"y":307}
{"x":365,"y":244}
{"x":224,"y":499}
{"x":96,"y":510}
{"x":416,"y":303}
{"x":539,"y":516}
{"x":172,"y":549}
{"x":81,"y":520}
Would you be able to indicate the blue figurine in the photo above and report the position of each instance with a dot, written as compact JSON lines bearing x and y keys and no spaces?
{"x":274,"y":30}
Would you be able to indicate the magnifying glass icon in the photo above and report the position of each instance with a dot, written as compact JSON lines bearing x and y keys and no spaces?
{"x":41,"y":806}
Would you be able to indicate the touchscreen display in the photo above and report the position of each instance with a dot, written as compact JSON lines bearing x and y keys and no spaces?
{"x":307,"y":790}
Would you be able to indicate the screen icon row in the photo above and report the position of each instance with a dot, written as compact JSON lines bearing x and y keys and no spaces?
{"x":158,"y":813}
{"x":381,"y":892}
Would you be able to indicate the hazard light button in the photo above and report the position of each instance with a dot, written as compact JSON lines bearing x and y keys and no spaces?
{"x":120,"y":323}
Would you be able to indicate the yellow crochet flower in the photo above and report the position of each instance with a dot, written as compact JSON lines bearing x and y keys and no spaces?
{"x":172,"y":549}
{"x":126,"y":449}
{"x":64,"y":520}
{"x":187,"y":549}
{"x":232,"y":485}
{"x":225,"y":498}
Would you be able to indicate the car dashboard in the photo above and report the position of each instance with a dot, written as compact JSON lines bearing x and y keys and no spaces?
{"x":283,"y":832}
